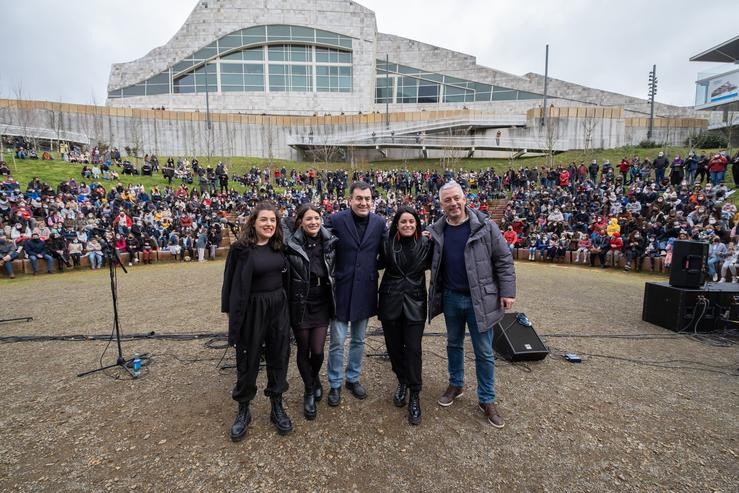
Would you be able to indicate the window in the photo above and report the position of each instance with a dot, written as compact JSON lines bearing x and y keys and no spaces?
{"x":242,"y":58}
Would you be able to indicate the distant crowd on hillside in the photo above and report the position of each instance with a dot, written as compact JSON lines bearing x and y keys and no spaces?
{"x":632,"y":210}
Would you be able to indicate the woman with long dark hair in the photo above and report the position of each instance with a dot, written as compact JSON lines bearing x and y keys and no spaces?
{"x":406,"y":254}
{"x":255,"y":299}
{"x":311,"y":253}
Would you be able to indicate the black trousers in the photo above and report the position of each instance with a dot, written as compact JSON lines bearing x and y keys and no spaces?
{"x":403,"y":341}
{"x":267,"y":324}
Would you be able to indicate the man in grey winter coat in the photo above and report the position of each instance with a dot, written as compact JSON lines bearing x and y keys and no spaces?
{"x":473,"y":282}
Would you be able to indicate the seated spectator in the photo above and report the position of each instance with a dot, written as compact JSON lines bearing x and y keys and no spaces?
{"x":133,"y":248}
{"x":74,"y":249}
{"x":716,"y":253}
{"x":148,"y":250}
{"x":95,"y":252}
{"x":57,"y":248}
{"x":583,"y":249}
{"x":511,"y":238}
{"x":634,"y":250}
{"x":35,"y":249}
{"x":729,"y":263}
{"x":8,"y":253}
{"x":600,"y":244}
{"x":615,"y":250}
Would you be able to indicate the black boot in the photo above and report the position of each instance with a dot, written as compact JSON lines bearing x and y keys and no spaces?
{"x":414,"y":408}
{"x":243,"y":418}
{"x":309,"y":403}
{"x":279,"y":417}
{"x":400,"y":394}
{"x":317,"y":389}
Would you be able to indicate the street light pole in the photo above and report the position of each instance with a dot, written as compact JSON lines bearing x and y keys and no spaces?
{"x":652,"y":93}
{"x":389,"y":92}
{"x":546,"y":84}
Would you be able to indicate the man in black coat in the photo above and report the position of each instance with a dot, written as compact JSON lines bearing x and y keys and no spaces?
{"x":360,"y":233}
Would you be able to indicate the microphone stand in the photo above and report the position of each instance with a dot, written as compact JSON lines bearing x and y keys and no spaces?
{"x":111,"y":255}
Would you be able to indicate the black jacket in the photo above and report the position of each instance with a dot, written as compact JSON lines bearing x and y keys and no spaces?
{"x":403,"y":286}
{"x":299,"y":262}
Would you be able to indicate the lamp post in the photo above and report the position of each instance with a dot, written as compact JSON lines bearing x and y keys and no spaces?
{"x":652,"y":93}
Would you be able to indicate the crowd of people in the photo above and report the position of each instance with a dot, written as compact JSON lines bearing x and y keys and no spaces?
{"x":603,"y":213}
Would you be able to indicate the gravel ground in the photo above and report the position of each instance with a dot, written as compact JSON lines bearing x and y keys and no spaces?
{"x":603,"y":425}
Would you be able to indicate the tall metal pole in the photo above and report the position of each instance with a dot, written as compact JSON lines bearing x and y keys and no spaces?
{"x":207,"y":103}
{"x":389,"y":91}
{"x":652,"y":93}
{"x":544,"y":120}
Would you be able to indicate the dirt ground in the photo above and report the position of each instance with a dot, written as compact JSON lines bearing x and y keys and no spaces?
{"x":603,"y":425}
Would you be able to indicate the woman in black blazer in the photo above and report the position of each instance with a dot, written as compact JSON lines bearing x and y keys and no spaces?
{"x":311,"y":253}
{"x":406,"y":255}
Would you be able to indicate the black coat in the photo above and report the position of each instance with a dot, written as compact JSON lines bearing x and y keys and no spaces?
{"x":236,"y":289}
{"x":299,"y":262}
{"x":403,"y":286}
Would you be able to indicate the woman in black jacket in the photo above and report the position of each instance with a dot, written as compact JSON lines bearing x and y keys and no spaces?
{"x":406,"y":255}
{"x":311,"y":252}
{"x":255,"y":299}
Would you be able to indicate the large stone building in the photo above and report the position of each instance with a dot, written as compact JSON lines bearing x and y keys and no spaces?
{"x":283,"y":77}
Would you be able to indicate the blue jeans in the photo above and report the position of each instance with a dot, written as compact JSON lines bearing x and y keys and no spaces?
{"x":717,"y":177}
{"x":96,"y":259}
{"x":34,"y":262}
{"x":8,"y":266}
{"x":339,"y":332}
{"x":712,"y":261}
{"x":458,"y":311}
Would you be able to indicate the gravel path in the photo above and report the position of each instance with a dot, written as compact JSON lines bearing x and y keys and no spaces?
{"x":603,"y":425}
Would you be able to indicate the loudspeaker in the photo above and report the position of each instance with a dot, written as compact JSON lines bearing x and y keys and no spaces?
{"x":682,"y":309}
{"x":688,"y":261}
{"x":515,"y":339}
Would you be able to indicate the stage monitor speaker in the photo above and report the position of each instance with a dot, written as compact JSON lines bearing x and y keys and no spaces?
{"x":515,"y":339}
{"x":682,"y":309}
{"x":688,"y":261}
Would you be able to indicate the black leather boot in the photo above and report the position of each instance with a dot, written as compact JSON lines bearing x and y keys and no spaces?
{"x":309,"y":403}
{"x":279,"y":417}
{"x":243,"y":418}
{"x":400,"y":394}
{"x":414,"y":408}
{"x":317,"y":389}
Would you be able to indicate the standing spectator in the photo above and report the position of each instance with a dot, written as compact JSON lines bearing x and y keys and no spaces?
{"x":634,"y":250}
{"x":201,"y":244}
{"x":717,"y":169}
{"x":623,"y":168}
{"x":8,"y":253}
{"x":660,"y":164}
{"x":254,"y":297}
{"x":36,"y":249}
{"x":311,"y":253}
{"x":402,"y":309}
{"x":473,"y":282}
{"x":360,"y":233}
{"x":214,"y":239}
{"x":677,"y":171}
{"x":691,"y":168}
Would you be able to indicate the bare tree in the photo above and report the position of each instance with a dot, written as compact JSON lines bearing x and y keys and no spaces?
{"x":730,"y":118}
{"x":589,"y":122}
{"x":548,"y":136}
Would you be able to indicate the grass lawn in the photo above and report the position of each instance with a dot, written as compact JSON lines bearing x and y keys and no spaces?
{"x":56,"y":171}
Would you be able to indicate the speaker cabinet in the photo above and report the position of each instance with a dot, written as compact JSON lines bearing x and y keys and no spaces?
{"x":688,"y":262}
{"x":515,"y":339}
{"x":689,"y":310}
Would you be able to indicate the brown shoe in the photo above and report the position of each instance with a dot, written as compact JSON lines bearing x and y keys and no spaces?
{"x":491,"y":412}
{"x":451,"y":393}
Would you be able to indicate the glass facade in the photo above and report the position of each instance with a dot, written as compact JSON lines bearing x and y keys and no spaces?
{"x":402,"y":84}
{"x":274,"y":58}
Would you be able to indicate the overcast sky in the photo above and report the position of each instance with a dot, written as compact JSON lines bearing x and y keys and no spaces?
{"x":62,"y":50}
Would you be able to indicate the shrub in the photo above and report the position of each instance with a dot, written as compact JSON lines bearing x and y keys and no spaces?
{"x":647,"y":144}
{"x":710,"y":141}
